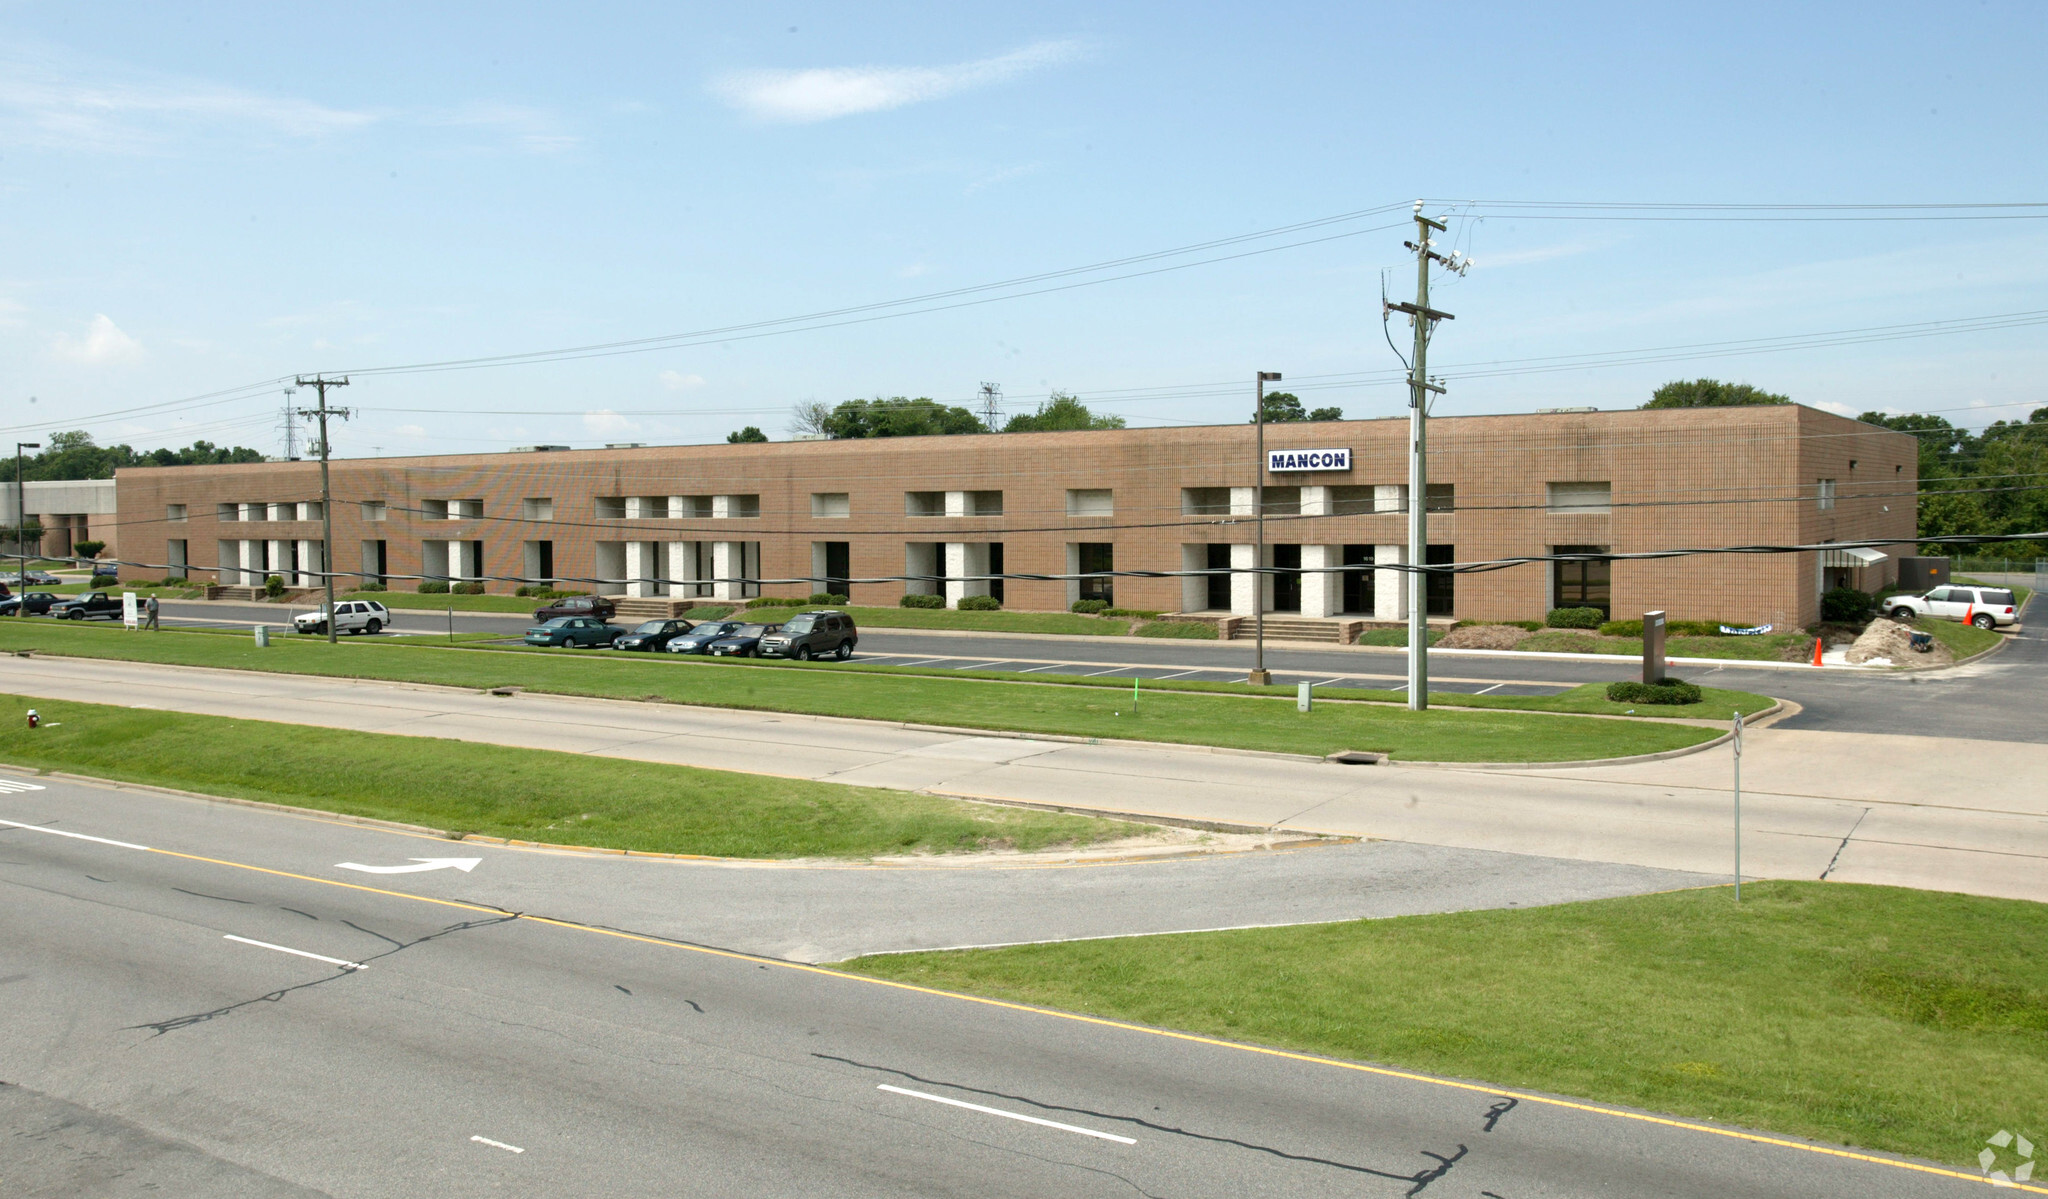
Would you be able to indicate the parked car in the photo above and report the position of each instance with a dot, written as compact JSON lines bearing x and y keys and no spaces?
{"x":1985,"y":607}
{"x":34,"y":578}
{"x":577,"y":605}
{"x":698,"y":640}
{"x":810,"y":635}
{"x":90,"y":604}
{"x":573,"y":631}
{"x":38,"y":603}
{"x":652,"y":636}
{"x":742,"y":642}
{"x":350,"y":616}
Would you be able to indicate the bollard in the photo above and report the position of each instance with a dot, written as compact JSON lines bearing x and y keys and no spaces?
{"x":262,"y":636}
{"x":1302,"y":698}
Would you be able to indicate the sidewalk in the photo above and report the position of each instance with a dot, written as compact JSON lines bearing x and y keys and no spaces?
{"x":1914,"y":811}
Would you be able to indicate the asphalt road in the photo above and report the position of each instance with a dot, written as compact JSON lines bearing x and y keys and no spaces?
{"x":195,"y":1014}
{"x":1996,"y":699}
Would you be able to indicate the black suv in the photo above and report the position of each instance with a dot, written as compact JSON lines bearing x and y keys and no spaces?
{"x":810,"y":635}
{"x":576,"y":605}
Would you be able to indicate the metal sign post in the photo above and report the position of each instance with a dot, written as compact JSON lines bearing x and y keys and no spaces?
{"x":1738,"y":807}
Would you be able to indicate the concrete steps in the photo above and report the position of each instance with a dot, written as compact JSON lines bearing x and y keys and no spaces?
{"x":630,"y":607}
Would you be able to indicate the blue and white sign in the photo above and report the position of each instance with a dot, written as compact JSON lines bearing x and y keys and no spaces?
{"x":1283,"y":461}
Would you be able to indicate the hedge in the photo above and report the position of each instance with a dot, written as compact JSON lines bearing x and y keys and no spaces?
{"x":826,"y":599}
{"x":922,"y":601}
{"x":1089,"y":607}
{"x":1574,"y":618}
{"x":980,"y":603}
{"x":1670,"y":691}
{"x":433,"y":587}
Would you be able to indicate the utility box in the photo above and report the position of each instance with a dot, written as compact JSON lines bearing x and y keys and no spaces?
{"x":1653,"y":647}
{"x":1920,"y":574}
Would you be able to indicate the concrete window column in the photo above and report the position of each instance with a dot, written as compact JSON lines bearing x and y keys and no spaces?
{"x":228,"y":563}
{"x":636,"y":509}
{"x":1389,"y":587}
{"x":1321,"y":594}
{"x":641,"y":567}
{"x":284,"y":511}
{"x":1243,"y":501}
{"x":921,"y":558}
{"x":1243,"y":586}
{"x":1390,"y":497}
{"x":280,"y":561}
{"x":956,"y":505}
{"x":682,"y":564}
{"x":721,"y":509}
{"x":310,"y":564}
{"x":252,"y":563}
{"x":1315,"y":501}
{"x":434,"y":560}
{"x":728,"y":565}
{"x":608,"y":563}
{"x":965,"y":558}
{"x":1194,"y":589}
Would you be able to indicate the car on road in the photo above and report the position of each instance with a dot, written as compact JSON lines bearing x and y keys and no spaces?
{"x":91,"y":604}
{"x":595,"y":606}
{"x":1985,"y":607}
{"x":698,"y":640}
{"x":810,"y":635}
{"x":350,"y":616}
{"x":573,"y":631}
{"x":38,"y":603}
{"x":651,"y":636}
{"x":742,"y":642}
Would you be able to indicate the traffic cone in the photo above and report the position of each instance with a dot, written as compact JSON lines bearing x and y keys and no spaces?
{"x":1816,"y":651}
{"x":1970,"y":613}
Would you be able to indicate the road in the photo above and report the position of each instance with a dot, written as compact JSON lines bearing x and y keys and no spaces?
{"x":1997,"y":699}
{"x":199,"y":1008}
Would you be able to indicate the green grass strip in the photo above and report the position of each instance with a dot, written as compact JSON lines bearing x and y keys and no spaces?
{"x":1449,"y":735}
{"x":1905,"y":1021}
{"x":523,"y":794}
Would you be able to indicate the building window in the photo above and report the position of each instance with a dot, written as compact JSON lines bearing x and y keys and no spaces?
{"x":537,"y":508}
{"x":376,"y":561}
{"x":1580,"y":499}
{"x":738,"y":506}
{"x":610,"y":507}
{"x":174,"y":558}
{"x":1287,"y":580}
{"x":984,"y":503}
{"x":1217,"y":557}
{"x":1205,"y":501}
{"x":538,"y":561}
{"x":309,"y":510}
{"x":227,"y":512}
{"x":1358,"y":578}
{"x":175,"y":513}
{"x":1091,"y":502}
{"x":830,"y":505}
{"x":373,"y":509}
{"x":694,"y":507}
{"x":433,"y":509}
{"x":924,"y":503}
{"x":1443,"y":497}
{"x":1283,"y":501}
{"x":1827,"y":495}
{"x":465,"y":509}
{"x":1351,"y":501}
{"x":1442,"y":587}
{"x":1094,"y":560}
{"x":1583,"y":584}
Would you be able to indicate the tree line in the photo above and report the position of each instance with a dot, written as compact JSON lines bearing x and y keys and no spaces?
{"x":74,"y":455}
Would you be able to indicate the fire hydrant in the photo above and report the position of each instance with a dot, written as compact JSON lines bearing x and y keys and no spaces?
{"x":33,"y":719}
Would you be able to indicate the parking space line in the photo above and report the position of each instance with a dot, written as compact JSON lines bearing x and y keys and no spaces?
{"x":1094,"y":673}
{"x":996,"y":1111}
{"x":1183,"y":674}
{"x":318,"y":957}
{"x":1495,"y":687}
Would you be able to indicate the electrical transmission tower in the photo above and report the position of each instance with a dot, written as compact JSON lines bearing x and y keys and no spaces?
{"x":326,"y":493}
{"x":992,"y":407}
{"x":1420,"y":387}
{"x":291,"y":427}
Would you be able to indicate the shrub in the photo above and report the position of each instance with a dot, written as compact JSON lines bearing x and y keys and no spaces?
{"x":922,"y":601}
{"x":1670,"y":691}
{"x":827,"y":599}
{"x":1623,"y":628}
{"x":980,"y":603}
{"x":433,"y":587}
{"x":88,"y":549}
{"x":1534,"y":626}
{"x":535,"y":591}
{"x":1138,"y":613}
{"x":468,"y":589}
{"x":1844,"y":605}
{"x":1575,"y":618}
{"x":1702,"y":628}
{"x":371,"y":587}
{"x":1089,"y":607}
{"x":777,"y":601}
{"x":272,"y":586}
{"x":102,"y":581}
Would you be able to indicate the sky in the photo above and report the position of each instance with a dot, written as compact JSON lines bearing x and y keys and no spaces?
{"x":199,"y":202}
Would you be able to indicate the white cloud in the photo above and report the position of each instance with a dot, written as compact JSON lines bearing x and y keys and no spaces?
{"x":606,"y":423}
{"x":104,"y":342}
{"x":823,"y":93}
{"x":677,"y":381}
{"x":532,"y":129}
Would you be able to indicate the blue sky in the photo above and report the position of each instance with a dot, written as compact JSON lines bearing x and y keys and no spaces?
{"x":203,"y":197}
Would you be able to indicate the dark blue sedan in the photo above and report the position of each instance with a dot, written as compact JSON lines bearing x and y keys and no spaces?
{"x":743,"y":642}
{"x":698,"y":640}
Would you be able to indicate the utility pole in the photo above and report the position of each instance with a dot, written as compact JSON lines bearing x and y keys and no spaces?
{"x":326,"y":493}
{"x":992,"y":406}
{"x":21,"y":522}
{"x":1260,"y":675}
{"x":1419,"y":389}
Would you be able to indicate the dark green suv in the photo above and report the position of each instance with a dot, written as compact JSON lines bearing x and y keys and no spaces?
{"x":810,"y":635}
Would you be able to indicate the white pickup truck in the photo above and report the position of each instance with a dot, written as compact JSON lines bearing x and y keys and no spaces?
{"x":350,"y":616}
{"x":1985,"y":607}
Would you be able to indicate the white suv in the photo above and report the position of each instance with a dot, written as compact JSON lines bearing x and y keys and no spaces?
{"x":350,"y":616}
{"x":1985,"y":607}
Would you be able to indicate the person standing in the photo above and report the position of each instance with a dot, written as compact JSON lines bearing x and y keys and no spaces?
{"x":149,"y":613}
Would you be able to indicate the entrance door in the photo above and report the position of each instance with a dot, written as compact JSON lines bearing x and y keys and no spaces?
{"x":838,"y":566}
{"x":1358,"y":597}
{"x":1287,"y":580}
{"x":1442,"y":588}
{"x":1098,"y":556}
{"x":1583,"y":584}
{"x":995,"y":567}
{"x":1219,"y":585}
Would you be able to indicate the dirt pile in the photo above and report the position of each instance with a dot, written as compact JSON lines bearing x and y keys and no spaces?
{"x":1892,"y":641}
{"x":1485,"y":636}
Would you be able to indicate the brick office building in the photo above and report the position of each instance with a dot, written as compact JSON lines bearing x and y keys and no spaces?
{"x":705,"y":521}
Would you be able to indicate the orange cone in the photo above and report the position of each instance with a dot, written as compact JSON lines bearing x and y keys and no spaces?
{"x":1970,"y":614}
{"x":1816,"y":651}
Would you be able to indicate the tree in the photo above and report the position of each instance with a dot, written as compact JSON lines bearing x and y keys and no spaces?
{"x":1283,"y":407}
{"x":1711,"y":393}
{"x":809,"y":418}
{"x":73,"y":455}
{"x":88,"y":549}
{"x":1063,"y":413}
{"x":899,"y":416}
{"x":1978,"y":484}
{"x":749,"y":434}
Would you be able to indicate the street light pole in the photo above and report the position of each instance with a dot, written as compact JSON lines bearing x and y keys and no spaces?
{"x":1259,"y":674}
{"x":21,"y":523}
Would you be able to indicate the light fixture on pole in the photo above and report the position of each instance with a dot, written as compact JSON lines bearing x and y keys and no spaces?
{"x":21,"y":522}
{"x":1260,"y":675}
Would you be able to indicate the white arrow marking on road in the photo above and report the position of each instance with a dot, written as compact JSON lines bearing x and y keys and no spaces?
{"x":463,"y":864}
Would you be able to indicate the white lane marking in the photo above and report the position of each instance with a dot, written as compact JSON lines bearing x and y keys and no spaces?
{"x":926,"y":662}
{"x":1495,"y":687}
{"x":11,"y":786}
{"x":497,"y":1144}
{"x":982,"y":665}
{"x":1183,"y":674}
{"x":1047,"y":666}
{"x":463,"y":864}
{"x":318,"y":957}
{"x":995,"y":1111}
{"x":58,"y":832}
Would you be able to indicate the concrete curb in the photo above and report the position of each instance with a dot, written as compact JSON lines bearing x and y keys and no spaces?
{"x":1768,"y":714}
{"x":392,"y":826}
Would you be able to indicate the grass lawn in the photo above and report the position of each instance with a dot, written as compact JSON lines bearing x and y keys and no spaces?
{"x":1766,"y":647}
{"x":1906,"y":1021}
{"x":1465,"y":733}
{"x":526,"y":794}
{"x":1962,"y":640}
{"x":1183,"y":630}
